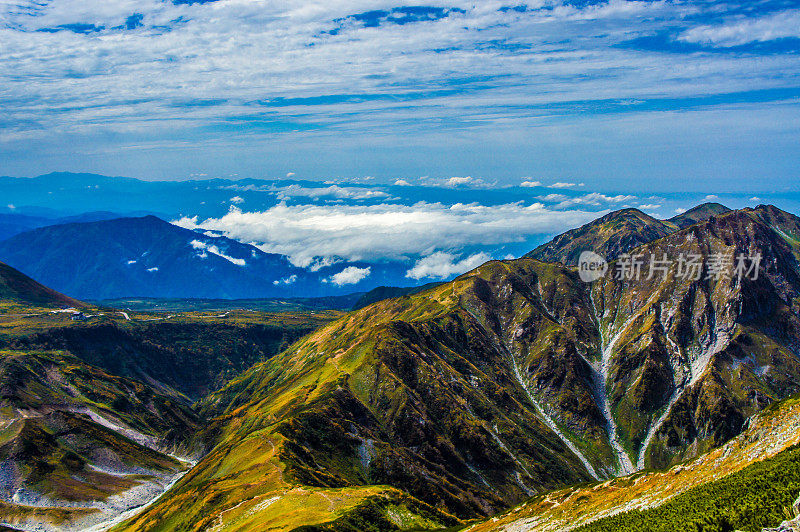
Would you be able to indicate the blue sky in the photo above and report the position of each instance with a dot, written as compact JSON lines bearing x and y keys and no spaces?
{"x":628,"y":97}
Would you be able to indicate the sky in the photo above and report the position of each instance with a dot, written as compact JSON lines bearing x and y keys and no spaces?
{"x":625,"y":97}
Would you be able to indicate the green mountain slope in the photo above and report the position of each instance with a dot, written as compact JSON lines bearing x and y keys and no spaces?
{"x":512,"y":379}
{"x":193,"y":353}
{"x":412,"y":392}
{"x":746,"y":484}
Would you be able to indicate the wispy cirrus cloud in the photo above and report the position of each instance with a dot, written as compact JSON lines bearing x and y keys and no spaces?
{"x":168,"y":78}
{"x":774,"y":26}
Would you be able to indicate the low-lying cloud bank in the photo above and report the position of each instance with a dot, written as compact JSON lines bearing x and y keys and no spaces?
{"x":444,"y":240}
{"x":441,"y":265}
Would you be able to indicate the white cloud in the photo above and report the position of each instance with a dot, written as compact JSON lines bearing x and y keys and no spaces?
{"x":386,"y":231}
{"x":711,"y":197}
{"x":767,"y":28}
{"x":286,"y":280}
{"x":566,"y":185}
{"x":318,"y":263}
{"x":531,"y":184}
{"x":441,"y":265}
{"x":237,"y":200}
{"x":594,"y":199}
{"x":211,"y":248}
{"x":650,"y":206}
{"x":680,"y":210}
{"x":552,"y":198}
{"x":755,"y":198}
{"x":333,"y":191}
{"x":457,"y":181}
{"x":402,"y":183}
{"x":290,"y":175}
{"x":153,"y":269}
{"x":350,"y":275}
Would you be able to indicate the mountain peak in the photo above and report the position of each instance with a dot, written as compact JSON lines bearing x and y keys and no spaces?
{"x":609,"y":235}
{"x":698,"y":214}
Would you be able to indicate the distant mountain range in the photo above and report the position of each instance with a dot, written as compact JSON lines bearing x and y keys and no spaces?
{"x":13,"y":224}
{"x":148,"y":257}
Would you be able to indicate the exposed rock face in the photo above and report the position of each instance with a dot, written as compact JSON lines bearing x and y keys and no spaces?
{"x":694,"y":358}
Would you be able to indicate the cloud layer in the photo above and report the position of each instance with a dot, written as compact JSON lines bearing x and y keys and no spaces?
{"x":390,"y":231}
{"x":441,"y":265}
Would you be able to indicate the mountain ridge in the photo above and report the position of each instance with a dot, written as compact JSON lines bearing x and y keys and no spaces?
{"x":589,"y":369}
{"x":619,"y":232}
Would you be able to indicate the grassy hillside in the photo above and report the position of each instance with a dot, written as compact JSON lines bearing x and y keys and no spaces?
{"x":193,"y":353}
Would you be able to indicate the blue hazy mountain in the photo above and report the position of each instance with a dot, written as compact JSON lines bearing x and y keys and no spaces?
{"x":13,"y":223}
{"x":148,"y":257}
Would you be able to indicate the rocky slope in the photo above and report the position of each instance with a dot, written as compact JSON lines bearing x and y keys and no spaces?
{"x":619,"y":232}
{"x":687,"y":361}
{"x":512,"y":379}
{"x":80,"y":446}
{"x":745,"y":484}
